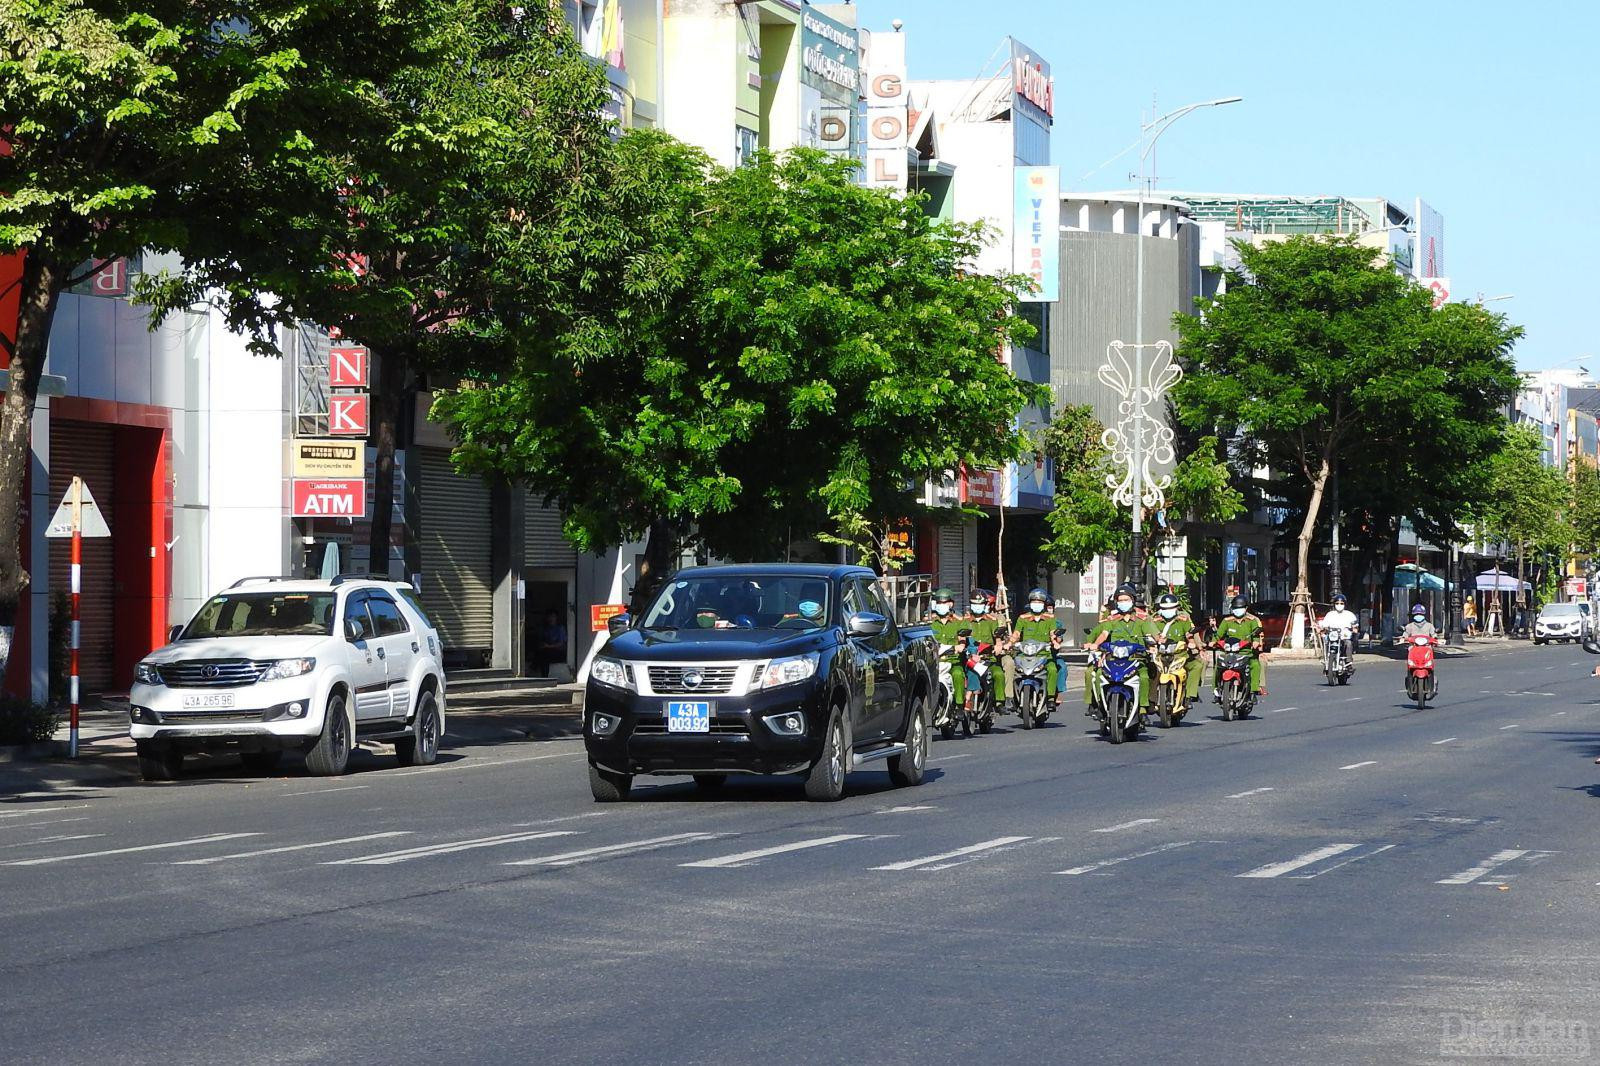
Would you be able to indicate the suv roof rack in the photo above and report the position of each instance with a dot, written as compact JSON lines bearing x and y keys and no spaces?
{"x":340,"y":579}
{"x":260,"y":577}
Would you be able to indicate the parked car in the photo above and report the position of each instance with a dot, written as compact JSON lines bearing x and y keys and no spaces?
{"x":1274,"y":615}
{"x":761,"y":669}
{"x":274,"y":665}
{"x":1566,"y":622}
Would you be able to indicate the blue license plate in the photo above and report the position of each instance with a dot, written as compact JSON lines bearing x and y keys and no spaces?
{"x":689,"y":716}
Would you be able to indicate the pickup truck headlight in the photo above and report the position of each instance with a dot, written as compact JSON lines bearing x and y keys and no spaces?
{"x":147,"y":674}
{"x":788,"y":671}
{"x":285,"y":668}
{"x":610,"y":672}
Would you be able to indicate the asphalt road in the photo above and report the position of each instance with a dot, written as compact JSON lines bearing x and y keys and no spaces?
{"x":1342,"y":879}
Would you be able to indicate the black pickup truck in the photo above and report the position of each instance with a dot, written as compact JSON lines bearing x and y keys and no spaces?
{"x":776,"y":668}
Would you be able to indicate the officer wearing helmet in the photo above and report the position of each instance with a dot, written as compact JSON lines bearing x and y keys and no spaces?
{"x":1340,"y":619}
{"x":947,"y":624}
{"x":1039,"y":623}
{"x":1174,"y":626}
{"x":990,"y":629}
{"x":1123,"y":625}
{"x":1419,"y":626}
{"x":1241,"y":625}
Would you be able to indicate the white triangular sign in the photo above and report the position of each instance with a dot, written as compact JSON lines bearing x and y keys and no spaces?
{"x":93,"y":523}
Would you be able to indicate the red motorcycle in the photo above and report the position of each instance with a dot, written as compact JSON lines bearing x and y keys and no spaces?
{"x":1421,"y":683}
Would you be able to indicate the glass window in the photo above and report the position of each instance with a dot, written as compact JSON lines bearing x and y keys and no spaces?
{"x":355,"y":610}
{"x":872,"y":596}
{"x":414,"y":601}
{"x":755,"y":601}
{"x":386,"y":615}
{"x":262,"y":614}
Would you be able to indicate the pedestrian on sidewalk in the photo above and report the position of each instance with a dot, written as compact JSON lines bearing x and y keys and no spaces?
{"x":551,"y":643}
{"x":1469,"y":617}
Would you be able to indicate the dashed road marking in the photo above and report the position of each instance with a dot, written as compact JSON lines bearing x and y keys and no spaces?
{"x":750,"y":858}
{"x":1352,"y":699}
{"x":469,"y":764}
{"x":1251,"y":792}
{"x":390,"y":857}
{"x":214,"y":838}
{"x":209,"y":859}
{"x":1359,"y":765}
{"x":43,"y":810}
{"x":1278,"y":869}
{"x":1487,"y":866}
{"x":1101,"y":864}
{"x":59,"y":838}
{"x":907,"y":809}
{"x":1126,"y":825}
{"x":1281,"y":710}
{"x":1513,"y":725}
{"x":320,"y":791}
{"x":963,"y":755}
{"x":937,"y":861}
{"x":35,"y":825}
{"x":1446,"y":740}
{"x":573,"y":858}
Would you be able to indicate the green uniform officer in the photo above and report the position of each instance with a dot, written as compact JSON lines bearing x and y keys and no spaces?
{"x":1123,"y":625}
{"x":1174,"y":626}
{"x":1036,"y":624}
{"x":947,"y":625}
{"x":1241,"y":625}
{"x":988,"y":628}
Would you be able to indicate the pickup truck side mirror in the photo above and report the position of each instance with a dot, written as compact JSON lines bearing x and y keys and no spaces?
{"x":173,"y":634}
{"x":353,"y":631}
{"x":618,"y":624}
{"x":867,"y":624}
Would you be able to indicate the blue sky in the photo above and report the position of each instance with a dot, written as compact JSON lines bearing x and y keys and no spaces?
{"x":1485,"y":111}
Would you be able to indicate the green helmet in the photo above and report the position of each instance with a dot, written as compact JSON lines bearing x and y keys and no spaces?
{"x":943,"y":596}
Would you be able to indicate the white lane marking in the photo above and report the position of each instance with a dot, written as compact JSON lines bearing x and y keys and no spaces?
{"x":1101,"y":864}
{"x":1498,"y":859}
{"x":970,"y":849}
{"x":212,"y":839}
{"x":43,"y":810}
{"x":1359,"y":765}
{"x":1352,"y":699}
{"x":907,"y":810}
{"x":1513,"y":725}
{"x":563,"y":818}
{"x":749,"y":858}
{"x":1342,"y":862}
{"x":1278,"y":869}
{"x":473,"y":765}
{"x":1251,"y":792}
{"x":320,"y":791}
{"x":1558,"y":714}
{"x":1126,"y":825}
{"x":59,"y":838}
{"x":208,"y":860}
{"x":1522,"y":693}
{"x":390,"y":857}
{"x":963,"y":755}
{"x":1280,"y":710}
{"x":1446,"y":740}
{"x":573,"y":858}
{"x":35,"y":825}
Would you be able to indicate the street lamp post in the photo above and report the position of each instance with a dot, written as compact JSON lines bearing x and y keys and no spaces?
{"x":1152,"y":132}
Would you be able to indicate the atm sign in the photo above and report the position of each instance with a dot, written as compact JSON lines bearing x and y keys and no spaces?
{"x":329,"y":498}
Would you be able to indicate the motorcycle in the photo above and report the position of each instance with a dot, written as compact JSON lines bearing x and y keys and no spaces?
{"x":944,"y":712}
{"x":1421,"y":683}
{"x":980,"y":704}
{"x":1118,"y":675}
{"x":1032,"y":658}
{"x":1172,"y":673}
{"x":1233,"y":667}
{"x":1338,"y":664}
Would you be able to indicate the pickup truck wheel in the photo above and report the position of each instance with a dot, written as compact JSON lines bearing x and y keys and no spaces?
{"x":907,"y":769}
{"x":607,"y":786}
{"x":330,"y":755}
{"x":261,"y":762}
{"x":422,"y":747}
{"x":825,"y":782}
{"x":710,"y":782}
{"x":156,"y":764}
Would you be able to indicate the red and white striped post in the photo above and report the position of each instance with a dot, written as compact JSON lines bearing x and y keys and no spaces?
{"x":77,"y":588}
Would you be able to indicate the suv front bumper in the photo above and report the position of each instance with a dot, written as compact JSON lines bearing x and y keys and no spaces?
{"x":740,"y":741}
{"x":273,"y":716}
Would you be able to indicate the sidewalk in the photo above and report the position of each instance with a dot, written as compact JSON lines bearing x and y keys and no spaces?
{"x":106,"y":753}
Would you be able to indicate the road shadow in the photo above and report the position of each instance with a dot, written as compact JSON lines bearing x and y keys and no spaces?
{"x":750,"y":788}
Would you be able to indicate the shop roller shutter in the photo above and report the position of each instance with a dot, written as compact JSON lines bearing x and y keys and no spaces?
{"x":85,"y":449}
{"x":543,"y":545}
{"x":952,"y":571}
{"x":454,"y":541}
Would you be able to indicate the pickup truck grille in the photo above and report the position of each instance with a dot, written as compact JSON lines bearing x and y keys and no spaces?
{"x":714,"y":680}
{"x":655,"y":725}
{"x":212,"y":673}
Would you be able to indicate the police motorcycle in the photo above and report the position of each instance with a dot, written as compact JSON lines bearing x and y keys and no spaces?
{"x":1117,"y":677}
{"x":981,"y":705}
{"x":1033,"y":702}
{"x":1233,"y":671}
{"x":1169,"y":698}
{"x":1338,"y":664}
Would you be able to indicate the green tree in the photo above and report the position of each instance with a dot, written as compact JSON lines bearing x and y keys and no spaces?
{"x":765,"y":354}
{"x":1526,"y":503}
{"x":1317,"y":355}
{"x":154,"y":126}
{"x":1584,"y":513}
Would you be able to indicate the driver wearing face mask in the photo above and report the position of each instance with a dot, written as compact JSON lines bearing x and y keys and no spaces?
{"x":1123,"y":625}
{"x":1038,"y":623}
{"x":947,"y":624}
{"x":1174,"y":626}
{"x":989,"y":630}
{"x":1239,"y":624}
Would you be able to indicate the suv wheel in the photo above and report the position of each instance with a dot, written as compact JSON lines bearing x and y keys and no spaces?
{"x":825,"y":782}
{"x":158,"y":764}
{"x":330,"y":755}
{"x":607,"y":786}
{"x":907,"y":769}
{"x":422,"y":747}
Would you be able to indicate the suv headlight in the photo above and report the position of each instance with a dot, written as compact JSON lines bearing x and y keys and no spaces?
{"x":609,"y":672}
{"x":147,"y":674}
{"x":287,"y":668}
{"x":788,"y":671}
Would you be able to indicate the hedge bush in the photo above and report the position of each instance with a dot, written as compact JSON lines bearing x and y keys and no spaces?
{"x":23,"y":722}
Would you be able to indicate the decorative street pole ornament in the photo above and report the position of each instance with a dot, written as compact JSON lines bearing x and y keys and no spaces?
{"x":1140,"y":443}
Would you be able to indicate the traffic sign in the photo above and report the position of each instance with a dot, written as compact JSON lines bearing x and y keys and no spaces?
{"x":347,"y":414}
{"x":329,"y":498}
{"x":90,"y":522}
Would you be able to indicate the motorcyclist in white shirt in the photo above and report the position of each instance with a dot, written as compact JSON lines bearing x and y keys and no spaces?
{"x":1340,"y":618}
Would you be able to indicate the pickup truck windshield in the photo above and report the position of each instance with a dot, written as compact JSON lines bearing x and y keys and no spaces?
{"x":722,"y":602}
{"x":263,"y":614}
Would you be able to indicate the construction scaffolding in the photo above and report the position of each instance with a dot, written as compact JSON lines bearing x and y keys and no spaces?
{"x":1284,"y":214}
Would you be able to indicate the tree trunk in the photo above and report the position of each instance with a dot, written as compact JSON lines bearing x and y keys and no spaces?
{"x":40,"y":291}
{"x":660,"y":544}
{"x":1308,"y":528}
{"x":388,"y":395}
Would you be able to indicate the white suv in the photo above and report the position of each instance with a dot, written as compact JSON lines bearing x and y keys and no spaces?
{"x":274,"y":665}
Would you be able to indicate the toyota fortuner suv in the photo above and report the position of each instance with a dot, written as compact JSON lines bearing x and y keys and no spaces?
{"x":274,"y":665}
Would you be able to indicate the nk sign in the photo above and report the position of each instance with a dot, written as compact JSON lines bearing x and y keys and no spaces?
{"x":329,"y":498}
{"x":1036,"y":231}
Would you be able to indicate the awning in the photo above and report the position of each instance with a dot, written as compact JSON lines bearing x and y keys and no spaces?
{"x":1411,"y":576}
{"x":1492,"y":581}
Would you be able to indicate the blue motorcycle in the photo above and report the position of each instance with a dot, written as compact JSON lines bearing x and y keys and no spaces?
{"x":1118,"y":679}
